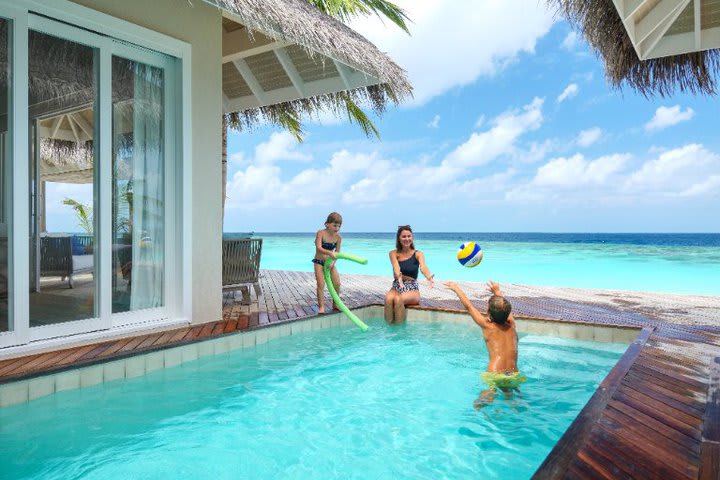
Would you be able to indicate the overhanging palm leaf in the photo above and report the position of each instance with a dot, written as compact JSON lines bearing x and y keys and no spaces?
{"x":345,"y":10}
{"x":84,"y":214}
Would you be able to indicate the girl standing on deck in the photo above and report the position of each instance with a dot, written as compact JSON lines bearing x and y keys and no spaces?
{"x":327,"y":243}
{"x":406,"y":261}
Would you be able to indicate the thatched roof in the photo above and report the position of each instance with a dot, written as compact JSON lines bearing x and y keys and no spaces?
{"x":330,"y":62}
{"x":675,"y":54}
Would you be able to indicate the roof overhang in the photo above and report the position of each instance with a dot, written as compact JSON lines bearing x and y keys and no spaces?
{"x":280,"y":51}
{"x":259,"y":70}
{"x":662,"y":28}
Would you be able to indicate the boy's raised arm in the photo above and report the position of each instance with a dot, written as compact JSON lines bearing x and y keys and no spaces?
{"x":476,"y":315}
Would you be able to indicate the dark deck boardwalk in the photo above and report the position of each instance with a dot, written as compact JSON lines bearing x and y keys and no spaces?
{"x":656,"y":415}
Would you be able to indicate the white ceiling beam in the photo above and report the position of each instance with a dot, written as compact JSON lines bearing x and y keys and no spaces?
{"x":251,"y":81}
{"x":83,"y":124}
{"x":698,"y":26}
{"x":685,"y":43}
{"x":291,"y":71}
{"x":56,"y":126}
{"x":46,"y":132}
{"x":286,"y":94}
{"x":344,"y":73}
{"x":239,"y":44}
{"x":74,"y":128}
{"x":628,"y":8}
{"x":658,"y":17}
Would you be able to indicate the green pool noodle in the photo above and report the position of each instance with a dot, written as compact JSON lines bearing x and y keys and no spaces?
{"x":333,"y":293}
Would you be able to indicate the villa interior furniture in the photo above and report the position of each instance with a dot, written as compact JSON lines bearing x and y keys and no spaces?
{"x":241,"y":266}
{"x":65,"y":256}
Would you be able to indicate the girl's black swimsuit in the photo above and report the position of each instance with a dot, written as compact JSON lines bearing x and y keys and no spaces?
{"x":326,"y":246}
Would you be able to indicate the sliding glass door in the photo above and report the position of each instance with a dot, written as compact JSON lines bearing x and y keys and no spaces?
{"x":62,"y":107}
{"x":86,"y":181}
{"x":138,"y":184}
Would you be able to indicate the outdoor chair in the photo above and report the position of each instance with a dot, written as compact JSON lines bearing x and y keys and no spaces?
{"x":65,"y":256}
{"x":241,"y":266}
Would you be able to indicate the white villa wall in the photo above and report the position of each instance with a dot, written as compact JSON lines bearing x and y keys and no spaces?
{"x":199,"y":25}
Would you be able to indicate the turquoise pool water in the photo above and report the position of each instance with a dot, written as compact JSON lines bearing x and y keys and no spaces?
{"x":682,"y":268}
{"x":392,"y":403}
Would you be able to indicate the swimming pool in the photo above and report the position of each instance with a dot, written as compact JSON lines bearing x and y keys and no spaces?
{"x":330,"y":403}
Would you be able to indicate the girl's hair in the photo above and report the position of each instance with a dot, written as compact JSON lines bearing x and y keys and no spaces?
{"x":334,"y":217}
{"x":401,"y":229}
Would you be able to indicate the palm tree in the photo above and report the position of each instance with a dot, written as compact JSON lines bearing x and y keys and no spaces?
{"x":84,"y":214}
{"x":343,"y":10}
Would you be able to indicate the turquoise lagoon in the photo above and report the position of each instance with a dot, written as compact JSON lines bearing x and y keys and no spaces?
{"x":675,"y":263}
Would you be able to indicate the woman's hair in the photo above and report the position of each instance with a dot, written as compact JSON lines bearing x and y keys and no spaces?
{"x":401,"y":229}
{"x":334,"y":217}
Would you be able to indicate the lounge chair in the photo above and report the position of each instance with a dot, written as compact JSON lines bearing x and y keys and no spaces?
{"x":241,"y":266}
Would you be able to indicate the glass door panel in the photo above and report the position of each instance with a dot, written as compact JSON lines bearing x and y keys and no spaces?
{"x":62,"y":105}
{"x":5,"y":176}
{"x":138,"y":185}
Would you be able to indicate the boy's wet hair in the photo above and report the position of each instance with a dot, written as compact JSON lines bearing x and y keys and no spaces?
{"x":402,"y":228}
{"x":499,"y":309}
{"x":334,"y":217}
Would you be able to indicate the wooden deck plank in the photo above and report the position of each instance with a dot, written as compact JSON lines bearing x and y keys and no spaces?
{"x":688,"y":402}
{"x":616,"y":420}
{"x":661,"y":428}
{"x":654,"y":461}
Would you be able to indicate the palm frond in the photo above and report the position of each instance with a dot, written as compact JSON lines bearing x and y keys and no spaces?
{"x":356,"y":115}
{"x":345,"y":10}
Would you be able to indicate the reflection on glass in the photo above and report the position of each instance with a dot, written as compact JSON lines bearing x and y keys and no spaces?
{"x":62,"y":96}
{"x":138,"y":186}
{"x":5,"y":177}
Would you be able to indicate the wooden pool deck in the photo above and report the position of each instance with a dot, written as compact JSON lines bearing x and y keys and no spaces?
{"x":656,"y":415}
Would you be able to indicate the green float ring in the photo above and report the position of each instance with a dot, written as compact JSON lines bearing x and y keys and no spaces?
{"x":333,"y":293}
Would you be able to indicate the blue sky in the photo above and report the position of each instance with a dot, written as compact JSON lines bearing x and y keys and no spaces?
{"x":513,"y":128}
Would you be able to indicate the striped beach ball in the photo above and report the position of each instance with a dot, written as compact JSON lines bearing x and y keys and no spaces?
{"x":470,"y":254}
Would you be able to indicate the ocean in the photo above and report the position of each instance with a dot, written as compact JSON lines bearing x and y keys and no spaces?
{"x":650,"y":262}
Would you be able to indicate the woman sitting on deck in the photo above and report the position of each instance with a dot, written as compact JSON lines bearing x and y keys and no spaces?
{"x":406,"y":261}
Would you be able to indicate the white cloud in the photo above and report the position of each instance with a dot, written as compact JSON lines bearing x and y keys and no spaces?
{"x":237,"y":158}
{"x":480,"y":121}
{"x":668,"y":116}
{"x":709,"y":187}
{"x":688,"y":171}
{"x":435,"y":122}
{"x":371,"y":179}
{"x":571,"y":40}
{"x":589,"y":136}
{"x":684,"y":169}
{"x":481,"y":148}
{"x":569,"y":92}
{"x":576,"y":171}
{"x":280,"y":146}
{"x":571,"y":179}
{"x":454,"y":43}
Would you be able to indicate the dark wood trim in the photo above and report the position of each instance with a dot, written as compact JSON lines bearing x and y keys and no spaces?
{"x":710,"y":449}
{"x":562,"y":455}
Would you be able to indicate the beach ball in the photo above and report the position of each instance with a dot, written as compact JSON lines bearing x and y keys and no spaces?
{"x":470,"y":254}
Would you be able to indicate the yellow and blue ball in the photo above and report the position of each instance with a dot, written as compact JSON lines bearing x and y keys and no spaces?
{"x":470,"y":255}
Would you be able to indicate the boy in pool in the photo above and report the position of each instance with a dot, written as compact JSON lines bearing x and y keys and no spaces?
{"x":498,"y":328}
